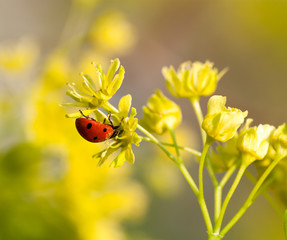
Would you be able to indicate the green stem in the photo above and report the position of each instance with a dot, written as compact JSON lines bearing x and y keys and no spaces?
{"x":217,"y":202}
{"x":186,"y":149}
{"x":267,"y":196}
{"x":201,"y":198}
{"x":218,"y":192}
{"x":211,"y":172}
{"x":199,"y":194}
{"x":227,"y":176}
{"x":199,"y":115}
{"x":157,"y":142}
{"x":228,"y":197}
{"x":171,"y":131}
{"x":180,"y":164}
{"x":188,"y":178}
{"x":250,"y":198}
{"x":214,"y":237}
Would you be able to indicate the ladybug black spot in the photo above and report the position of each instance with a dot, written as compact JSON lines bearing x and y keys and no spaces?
{"x":105,"y":130}
{"x":95,"y":138}
{"x":89,"y":125}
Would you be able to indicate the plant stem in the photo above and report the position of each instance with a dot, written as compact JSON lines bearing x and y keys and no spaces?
{"x":217,"y":202}
{"x":199,"y":195}
{"x":250,"y":198}
{"x":200,"y":198}
{"x":188,"y":178}
{"x":180,"y":164}
{"x":187,"y":149}
{"x":171,"y":131}
{"x":218,"y":192}
{"x":227,"y":176}
{"x":157,"y":142}
{"x":199,"y":116}
{"x":266,"y":194}
{"x":228,"y":197}
{"x":214,"y":237}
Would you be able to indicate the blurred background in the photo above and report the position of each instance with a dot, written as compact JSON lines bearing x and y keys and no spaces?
{"x":50,"y":185}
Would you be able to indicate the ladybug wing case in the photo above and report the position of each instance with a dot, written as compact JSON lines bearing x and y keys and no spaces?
{"x":93,"y":131}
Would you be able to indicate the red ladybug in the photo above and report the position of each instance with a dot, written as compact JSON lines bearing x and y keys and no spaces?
{"x":94,"y":131}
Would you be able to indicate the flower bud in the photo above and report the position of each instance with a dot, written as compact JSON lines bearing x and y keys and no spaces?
{"x":279,"y":140}
{"x":161,"y":114}
{"x":221,"y":123}
{"x":255,"y":142}
{"x":225,"y":156}
{"x":192,"y":80}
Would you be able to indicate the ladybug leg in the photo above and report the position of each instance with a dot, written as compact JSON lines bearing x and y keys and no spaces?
{"x":86,"y":115}
{"x":110,"y":120}
{"x":116,"y":133}
{"x":115,"y":127}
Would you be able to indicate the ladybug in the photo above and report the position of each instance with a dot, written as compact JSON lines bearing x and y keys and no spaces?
{"x":94,"y":131}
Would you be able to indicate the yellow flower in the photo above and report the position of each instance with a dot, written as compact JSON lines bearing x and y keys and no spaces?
{"x":255,"y":142}
{"x":279,"y":139}
{"x":221,"y":123}
{"x":192,"y":80}
{"x":227,"y":154}
{"x":112,"y":33}
{"x":126,"y":138}
{"x":161,"y":114}
{"x":19,"y":57}
{"x":96,"y":93}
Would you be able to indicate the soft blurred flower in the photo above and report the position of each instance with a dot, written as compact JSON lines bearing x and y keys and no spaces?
{"x":221,"y":123}
{"x":279,"y":140}
{"x":277,"y":180}
{"x":86,"y":4}
{"x":126,"y":137}
{"x":225,"y":156}
{"x":91,"y":199}
{"x":112,"y":33}
{"x":161,"y":114}
{"x":96,"y":93}
{"x":192,"y":80}
{"x":255,"y":142}
{"x":18,"y":57}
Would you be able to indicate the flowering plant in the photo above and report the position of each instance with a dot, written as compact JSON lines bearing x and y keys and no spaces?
{"x":238,"y":146}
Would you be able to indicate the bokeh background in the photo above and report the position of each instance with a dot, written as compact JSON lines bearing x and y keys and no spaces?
{"x":50,"y":187}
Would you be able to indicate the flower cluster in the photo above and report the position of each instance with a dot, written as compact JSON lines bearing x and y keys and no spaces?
{"x":97,"y":93}
{"x":239,"y":144}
